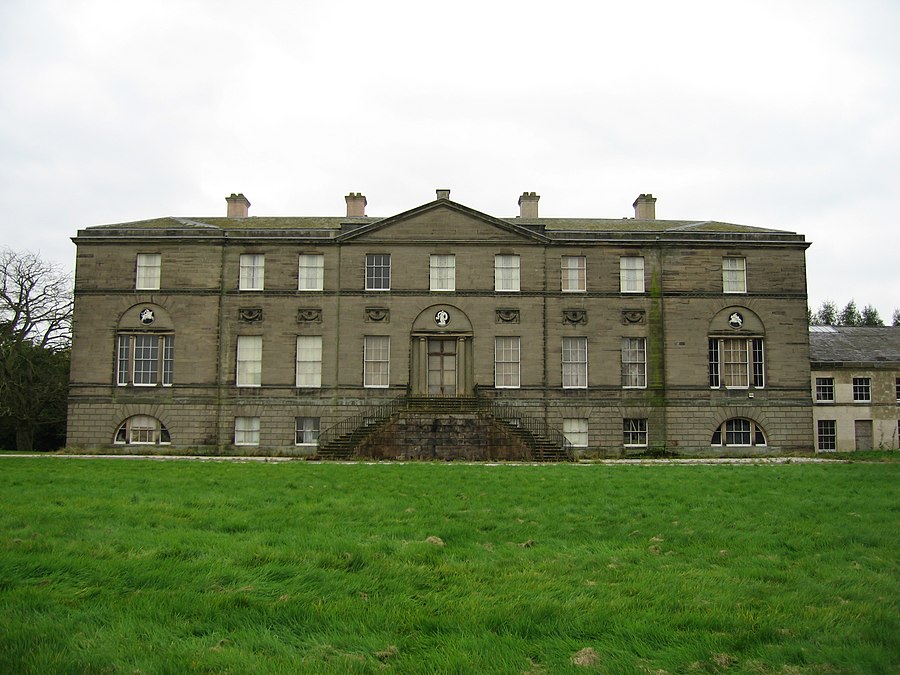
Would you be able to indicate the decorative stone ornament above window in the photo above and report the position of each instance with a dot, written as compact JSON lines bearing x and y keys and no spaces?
{"x":507,"y":316}
{"x":574,"y":316}
{"x":378,"y":314}
{"x":309,"y":315}
{"x":250,"y":314}
{"x":145,"y":317}
{"x":735,"y":319}
{"x":633,"y":316}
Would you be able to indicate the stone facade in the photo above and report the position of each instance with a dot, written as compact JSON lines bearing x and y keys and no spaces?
{"x":539,"y":315}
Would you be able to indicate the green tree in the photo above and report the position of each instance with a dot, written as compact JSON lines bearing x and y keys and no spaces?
{"x":35,"y":332}
{"x":850,"y":315}
{"x":895,"y":318}
{"x":826,"y":315}
{"x":870,"y":317}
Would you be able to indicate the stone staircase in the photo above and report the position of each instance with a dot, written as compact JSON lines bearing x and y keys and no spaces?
{"x":443,"y":429}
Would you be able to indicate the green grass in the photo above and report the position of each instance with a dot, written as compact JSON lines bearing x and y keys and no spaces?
{"x":174,"y":566}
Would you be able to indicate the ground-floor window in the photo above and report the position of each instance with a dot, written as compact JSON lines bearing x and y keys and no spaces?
{"x":826,"y":435}
{"x":246,"y":431}
{"x":634,"y":433}
{"x":576,"y":431}
{"x":142,"y":430}
{"x":738,"y":432}
{"x":306,"y":431}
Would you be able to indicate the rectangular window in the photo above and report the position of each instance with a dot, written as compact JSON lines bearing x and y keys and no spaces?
{"x":634,"y":362}
{"x":246,"y":431}
{"x":574,"y":274}
{"x":506,"y":362}
{"x":309,"y":361}
{"x":737,"y":363}
{"x":734,"y":275}
{"x":376,"y":361}
{"x":147,"y":276}
{"x":249,"y":361}
{"x":378,"y":272}
{"x":145,"y":360}
{"x":862,"y":389}
{"x":506,"y":273}
{"x":824,"y":389}
{"x":631,"y":274}
{"x":634,"y":433}
{"x":738,"y":432}
{"x":443,"y":273}
{"x":312,"y":272}
{"x":252,"y":272}
{"x":897,"y":387}
{"x":306,"y":431}
{"x":576,"y":431}
{"x":574,"y":362}
{"x":826,"y":437}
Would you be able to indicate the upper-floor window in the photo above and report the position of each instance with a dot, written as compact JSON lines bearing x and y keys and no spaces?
{"x":897,"y":387}
{"x":736,"y":363}
{"x":252,"y":272}
{"x":311,"y":274}
{"x":309,"y":361}
{"x":824,"y":389}
{"x":145,"y":359}
{"x":376,"y":361}
{"x":442,"y":272}
{"x":734,"y":275}
{"x":147,"y":275}
{"x":506,"y":362}
{"x":506,"y":273}
{"x":378,"y":272}
{"x":862,"y":389}
{"x":574,"y":362}
{"x":634,"y":362}
{"x":574,"y":274}
{"x":631,"y":274}
{"x":249,"y":361}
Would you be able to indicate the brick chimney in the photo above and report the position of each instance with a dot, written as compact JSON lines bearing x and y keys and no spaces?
{"x":356,"y":204}
{"x":442,"y":194}
{"x":645,"y":207}
{"x":528,"y":205}
{"x":238,"y":205}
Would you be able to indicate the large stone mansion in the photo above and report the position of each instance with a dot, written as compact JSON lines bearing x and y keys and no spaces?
{"x":441,"y":332}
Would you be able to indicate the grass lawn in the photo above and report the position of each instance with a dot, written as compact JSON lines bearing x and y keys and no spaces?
{"x":173,"y":566}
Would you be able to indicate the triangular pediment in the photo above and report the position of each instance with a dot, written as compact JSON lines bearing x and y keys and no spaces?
{"x":443,"y":220}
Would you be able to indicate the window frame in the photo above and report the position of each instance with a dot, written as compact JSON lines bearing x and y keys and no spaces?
{"x":575,"y":367}
{"x":629,"y":281}
{"x":862,"y":385}
{"x":442,"y":277}
{"x":507,"y":277}
{"x":753,"y":365}
{"x":754,"y":430}
{"x":252,"y":272}
{"x":301,"y":431}
{"x":127,"y":361}
{"x":634,"y":429}
{"x":824,"y":390}
{"x":376,"y":365}
{"x":242,"y":373}
{"x":573,"y":277}
{"x":378,"y":271}
{"x":311,"y":277}
{"x":503,"y":367}
{"x":148,"y":271}
{"x":249,"y":434}
{"x":312,"y":367}
{"x":124,"y":433}
{"x":826,"y":437}
{"x":734,"y":278}
{"x":582,"y":434}
{"x":628,"y":365}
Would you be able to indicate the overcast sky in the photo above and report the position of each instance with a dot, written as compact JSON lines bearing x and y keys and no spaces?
{"x":774,"y":113}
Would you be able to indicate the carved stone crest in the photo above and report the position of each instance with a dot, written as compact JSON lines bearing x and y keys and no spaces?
{"x":736,"y":320}
{"x":442,"y":317}
{"x":147,"y":316}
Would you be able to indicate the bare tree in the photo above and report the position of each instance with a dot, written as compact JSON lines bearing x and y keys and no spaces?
{"x":36,"y":299}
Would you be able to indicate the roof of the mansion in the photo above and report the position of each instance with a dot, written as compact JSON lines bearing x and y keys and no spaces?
{"x":854,"y":344}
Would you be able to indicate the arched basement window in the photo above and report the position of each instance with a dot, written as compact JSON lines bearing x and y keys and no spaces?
{"x":142,"y":430}
{"x":738,"y":432}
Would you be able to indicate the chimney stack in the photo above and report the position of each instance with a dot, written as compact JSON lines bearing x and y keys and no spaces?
{"x":443,"y":194}
{"x":645,"y":207}
{"x":528,"y":205}
{"x":238,"y":205}
{"x":356,"y":204}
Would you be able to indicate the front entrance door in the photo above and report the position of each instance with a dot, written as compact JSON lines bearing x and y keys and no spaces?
{"x":442,"y":366}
